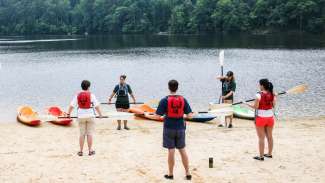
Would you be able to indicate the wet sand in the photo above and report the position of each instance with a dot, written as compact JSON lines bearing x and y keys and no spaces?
{"x":48,"y":153}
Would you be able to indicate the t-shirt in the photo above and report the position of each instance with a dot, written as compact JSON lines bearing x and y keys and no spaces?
{"x":85,"y":113}
{"x":172,"y":123}
{"x":123,"y":98}
{"x":227,"y":87}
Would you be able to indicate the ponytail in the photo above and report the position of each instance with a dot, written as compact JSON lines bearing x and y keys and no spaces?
{"x":268,"y":86}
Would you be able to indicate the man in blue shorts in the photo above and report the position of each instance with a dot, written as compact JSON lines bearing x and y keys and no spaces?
{"x":173,"y":108}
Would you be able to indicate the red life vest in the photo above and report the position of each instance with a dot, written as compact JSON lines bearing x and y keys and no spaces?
{"x":266,"y":101}
{"x":175,"y":107}
{"x":84,"y":100}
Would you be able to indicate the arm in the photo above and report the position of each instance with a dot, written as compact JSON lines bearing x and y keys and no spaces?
{"x":228,"y":95}
{"x":255,"y":105}
{"x":99,"y":111}
{"x":110,"y":97}
{"x":221,"y":77}
{"x":189,"y":115}
{"x":69,"y":110}
{"x":133,"y":97}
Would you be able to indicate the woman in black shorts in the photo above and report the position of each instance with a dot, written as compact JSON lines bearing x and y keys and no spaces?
{"x":122,"y":104}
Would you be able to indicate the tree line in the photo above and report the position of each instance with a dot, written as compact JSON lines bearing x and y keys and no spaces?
{"x":153,"y":16}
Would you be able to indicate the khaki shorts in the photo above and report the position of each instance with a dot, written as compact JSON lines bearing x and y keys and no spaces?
{"x":86,"y":125}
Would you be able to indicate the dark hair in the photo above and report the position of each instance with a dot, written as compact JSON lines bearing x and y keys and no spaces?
{"x":173,"y":85}
{"x":123,"y":76}
{"x":268,"y":86}
{"x":231,"y":74}
{"x":85,"y":84}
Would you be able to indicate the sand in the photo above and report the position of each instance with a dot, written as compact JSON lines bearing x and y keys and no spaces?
{"x":48,"y":153}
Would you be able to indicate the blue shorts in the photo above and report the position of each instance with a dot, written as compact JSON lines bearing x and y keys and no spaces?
{"x":173,"y":138}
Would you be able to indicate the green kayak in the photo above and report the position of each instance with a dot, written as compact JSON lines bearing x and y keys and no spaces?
{"x":243,"y":112}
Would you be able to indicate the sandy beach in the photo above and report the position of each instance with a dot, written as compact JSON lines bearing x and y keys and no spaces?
{"x":48,"y":153}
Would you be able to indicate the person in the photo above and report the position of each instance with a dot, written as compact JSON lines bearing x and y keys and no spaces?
{"x":228,"y":91}
{"x":85,"y":102}
{"x":264,"y":120}
{"x":122,"y":104}
{"x":173,"y":107}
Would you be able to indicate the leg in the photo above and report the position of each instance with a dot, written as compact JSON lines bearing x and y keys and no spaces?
{"x":229,"y":117}
{"x":118,"y":124}
{"x":269,"y":137}
{"x":171,"y":161}
{"x":126,"y":125}
{"x":90,"y":142}
{"x":185,"y":160}
{"x":82,"y":136}
{"x":82,"y":142}
{"x":261,"y":138}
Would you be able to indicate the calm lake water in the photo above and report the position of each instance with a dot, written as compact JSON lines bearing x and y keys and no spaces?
{"x":47,"y":70}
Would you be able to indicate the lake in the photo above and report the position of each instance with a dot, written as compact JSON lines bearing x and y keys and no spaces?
{"x":47,"y":70}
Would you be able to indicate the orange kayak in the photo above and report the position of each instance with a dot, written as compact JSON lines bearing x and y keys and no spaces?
{"x":145,"y":111}
{"x":56,"y":111}
{"x":28,"y":116}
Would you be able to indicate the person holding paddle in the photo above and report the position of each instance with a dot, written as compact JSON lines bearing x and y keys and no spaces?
{"x":228,"y":91}
{"x":264,"y":117}
{"x":122,"y":104}
{"x":85,"y":101}
{"x":174,"y":107}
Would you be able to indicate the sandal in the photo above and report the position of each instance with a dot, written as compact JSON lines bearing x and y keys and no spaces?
{"x":80,"y":153}
{"x":188,"y":177}
{"x":268,"y":156}
{"x":170,"y":177}
{"x":91,"y":153}
{"x":258,"y":158}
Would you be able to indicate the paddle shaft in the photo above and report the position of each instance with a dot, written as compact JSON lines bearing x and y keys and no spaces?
{"x":250,"y":100}
{"x":106,"y":103}
{"x":63,"y":117}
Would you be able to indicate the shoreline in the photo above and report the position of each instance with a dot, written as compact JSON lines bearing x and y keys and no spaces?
{"x":48,"y":153}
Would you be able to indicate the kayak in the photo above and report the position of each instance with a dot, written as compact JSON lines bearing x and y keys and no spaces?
{"x":28,"y":116}
{"x":56,"y":111}
{"x":202,"y":117}
{"x":243,"y":112}
{"x":145,"y":111}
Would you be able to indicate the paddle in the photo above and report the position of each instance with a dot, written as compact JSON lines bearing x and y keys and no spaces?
{"x":74,"y":117}
{"x":295,"y":90}
{"x":106,"y":103}
{"x":221,"y":61}
{"x":112,"y":115}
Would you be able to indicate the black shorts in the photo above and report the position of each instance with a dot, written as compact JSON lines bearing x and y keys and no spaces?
{"x":122,"y":105}
{"x":173,"y":138}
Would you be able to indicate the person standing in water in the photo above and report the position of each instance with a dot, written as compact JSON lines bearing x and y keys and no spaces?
{"x":122,"y":104}
{"x":264,"y":120}
{"x":85,"y":101}
{"x":173,"y":107}
{"x":228,"y":91}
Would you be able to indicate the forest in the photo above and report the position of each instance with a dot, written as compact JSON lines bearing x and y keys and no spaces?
{"x":31,"y":17}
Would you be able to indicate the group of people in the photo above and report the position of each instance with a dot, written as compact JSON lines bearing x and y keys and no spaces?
{"x":173,"y":107}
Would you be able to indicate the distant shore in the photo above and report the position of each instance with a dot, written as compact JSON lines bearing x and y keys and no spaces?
{"x":48,"y":153}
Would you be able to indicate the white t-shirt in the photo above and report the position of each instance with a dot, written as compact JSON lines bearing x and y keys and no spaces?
{"x":264,"y":113}
{"x":85,"y":113}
